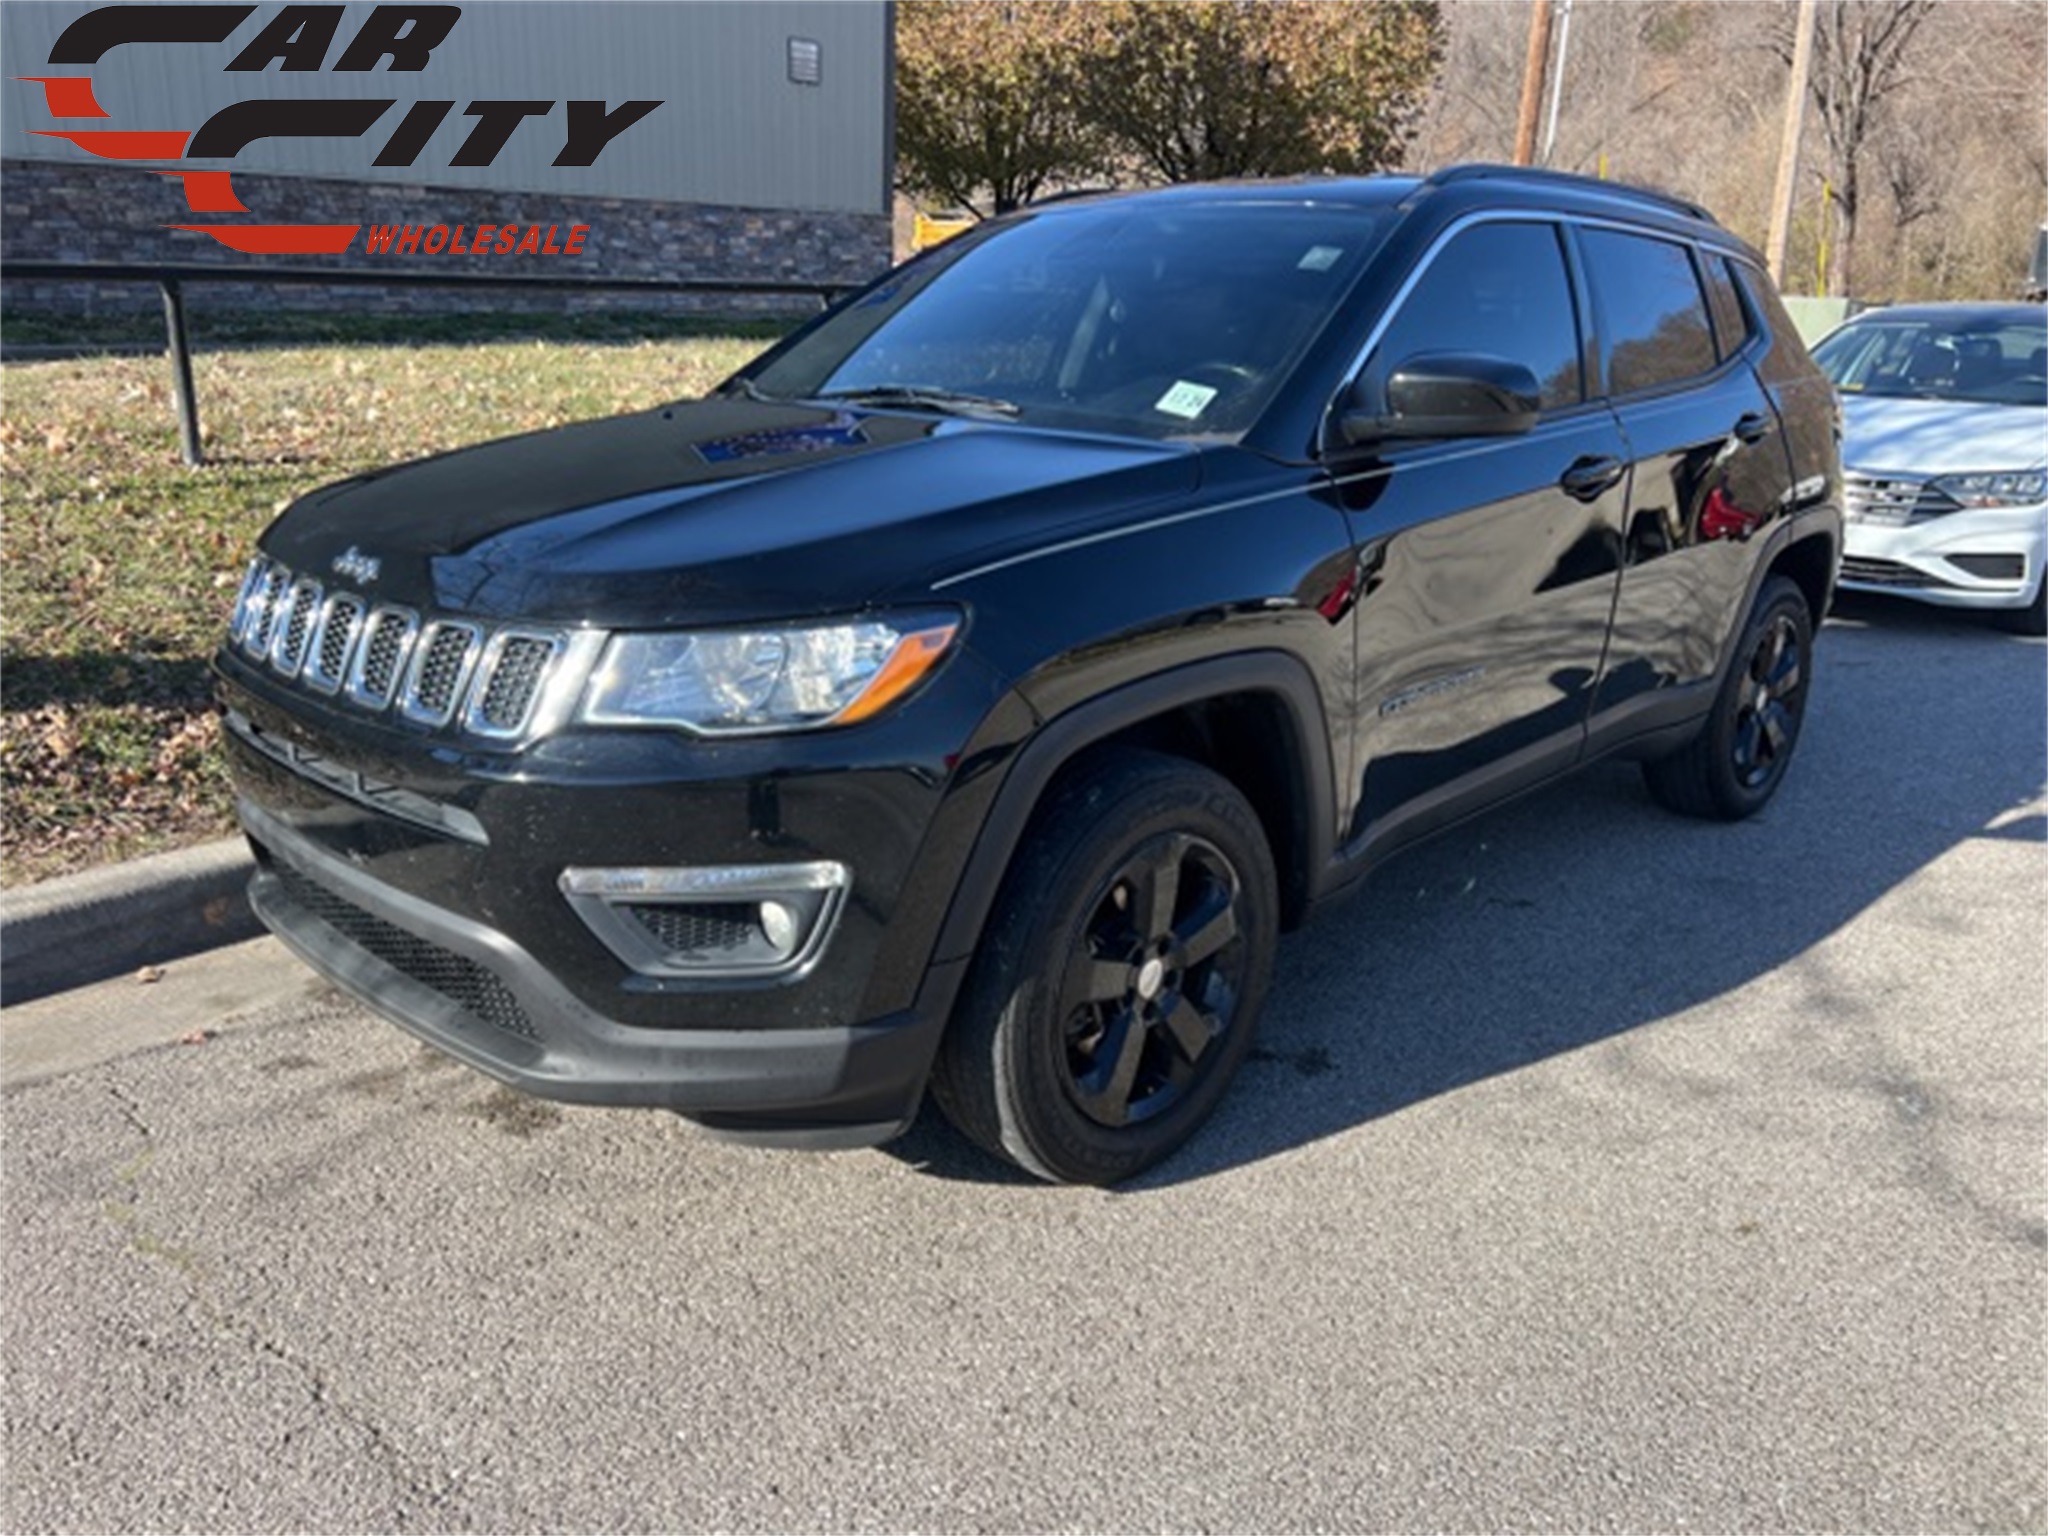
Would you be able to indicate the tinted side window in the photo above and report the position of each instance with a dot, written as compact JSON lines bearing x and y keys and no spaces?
{"x":1500,"y":289}
{"x":1764,"y":300}
{"x":1653,"y":318}
{"x":1731,"y":319}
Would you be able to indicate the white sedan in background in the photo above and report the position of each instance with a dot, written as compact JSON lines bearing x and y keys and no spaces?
{"x":1945,"y":453}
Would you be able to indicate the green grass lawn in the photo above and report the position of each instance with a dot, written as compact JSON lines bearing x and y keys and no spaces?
{"x":119,"y":564}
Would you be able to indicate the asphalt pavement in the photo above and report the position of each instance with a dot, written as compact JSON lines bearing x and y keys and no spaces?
{"x":1597,"y":1170}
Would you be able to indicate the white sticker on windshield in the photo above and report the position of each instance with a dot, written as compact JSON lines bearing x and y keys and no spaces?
{"x":1185,"y":400}
{"x":1320,"y":258}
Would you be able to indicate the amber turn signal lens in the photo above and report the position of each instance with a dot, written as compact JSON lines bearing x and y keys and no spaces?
{"x":915,"y":655}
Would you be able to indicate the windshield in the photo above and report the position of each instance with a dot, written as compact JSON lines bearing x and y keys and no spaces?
{"x":1991,"y":362}
{"x":1167,"y":321}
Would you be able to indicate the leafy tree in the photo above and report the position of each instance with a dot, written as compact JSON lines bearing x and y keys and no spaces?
{"x":1199,"y":89}
{"x":988,"y":100}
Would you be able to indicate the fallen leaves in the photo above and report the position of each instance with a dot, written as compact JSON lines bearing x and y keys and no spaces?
{"x":121,"y":563}
{"x":61,"y":739}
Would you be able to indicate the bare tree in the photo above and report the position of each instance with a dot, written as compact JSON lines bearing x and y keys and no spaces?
{"x":1859,"y":57}
{"x":1948,"y":129}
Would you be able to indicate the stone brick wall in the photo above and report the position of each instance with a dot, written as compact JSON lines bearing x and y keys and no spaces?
{"x":73,"y":212}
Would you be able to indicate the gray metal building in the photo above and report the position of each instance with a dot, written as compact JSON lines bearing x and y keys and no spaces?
{"x":769,"y":157}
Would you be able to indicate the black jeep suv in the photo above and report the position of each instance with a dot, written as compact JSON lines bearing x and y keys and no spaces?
{"x":969,"y":691}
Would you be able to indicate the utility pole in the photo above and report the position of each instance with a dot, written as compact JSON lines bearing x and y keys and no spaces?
{"x":1564,"y":44}
{"x":1788,"y":148}
{"x":1532,"y":81}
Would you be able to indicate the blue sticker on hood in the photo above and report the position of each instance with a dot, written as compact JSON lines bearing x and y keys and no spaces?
{"x":842,"y":431}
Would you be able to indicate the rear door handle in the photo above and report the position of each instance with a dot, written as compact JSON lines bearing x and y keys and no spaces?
{"x":1590,"y":478}
{"x":1753,"y":427}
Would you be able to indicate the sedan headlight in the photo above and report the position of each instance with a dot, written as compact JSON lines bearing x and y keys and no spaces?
{"x":2008,"y":488}
{"x":741,"y":682}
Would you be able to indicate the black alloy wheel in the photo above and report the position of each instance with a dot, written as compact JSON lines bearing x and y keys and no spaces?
{"x":1153,"y":980}
{"x":1736,"y":762}
{"x":1120,"y":977}
{"x":1768,"y":709}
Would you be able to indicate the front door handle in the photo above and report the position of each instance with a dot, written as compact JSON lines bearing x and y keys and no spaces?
{"x":1590,"y":478}
{"x":1753,"y":427}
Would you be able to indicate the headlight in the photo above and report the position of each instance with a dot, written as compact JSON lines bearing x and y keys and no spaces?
{"x":735,"y":682}
{"x":2010,"y":488}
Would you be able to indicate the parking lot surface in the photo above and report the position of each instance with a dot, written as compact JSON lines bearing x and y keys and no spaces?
{"x":1597,"y":1170}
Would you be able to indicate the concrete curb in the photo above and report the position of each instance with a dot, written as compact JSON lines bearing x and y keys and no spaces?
{"x":63,"y":933}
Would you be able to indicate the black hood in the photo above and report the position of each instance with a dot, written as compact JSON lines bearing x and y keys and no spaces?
{"x":717,"y":510}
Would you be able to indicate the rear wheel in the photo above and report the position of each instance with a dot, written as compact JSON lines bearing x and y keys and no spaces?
{"x":1736,"y":762}
{"x":1122,"y":973}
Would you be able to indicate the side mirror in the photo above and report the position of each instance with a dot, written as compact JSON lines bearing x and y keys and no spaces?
{"x":1447,"y":394}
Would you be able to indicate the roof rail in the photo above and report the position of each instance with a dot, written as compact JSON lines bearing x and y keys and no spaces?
{"x":1068,"y":194}
{"x":1453,"y":174}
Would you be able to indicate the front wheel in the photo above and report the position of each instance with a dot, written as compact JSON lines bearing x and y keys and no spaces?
{"x":1738,"y":759}
{"x":2032,"y":619}
{"x":1122,"y":973}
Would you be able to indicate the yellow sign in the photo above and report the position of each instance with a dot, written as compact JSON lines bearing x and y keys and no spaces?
{"x":927,"y":232}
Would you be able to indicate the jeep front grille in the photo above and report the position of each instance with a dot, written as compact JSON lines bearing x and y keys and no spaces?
{"x":266,"y":588}
{"x":294,"y":630}
{"x":387,"y":642}
{"x":441,"y":664}
{"x":327,"y":666}
{"x":514,"y":665}
{"x":430,"y":671}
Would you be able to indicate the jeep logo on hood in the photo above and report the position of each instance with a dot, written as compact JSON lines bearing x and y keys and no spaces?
{"x":357,"y":566}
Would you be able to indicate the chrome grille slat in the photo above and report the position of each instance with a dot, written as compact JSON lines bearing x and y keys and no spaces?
{"x":341,"y":621}
{"x":256,"y":577}
{"x":1892,"y":502}
{"x":263,"y":604}
{"x":388,"y":636}
{"x":294,"y":627}
{"x":441,"y":665}
{"x":508,"y":681}
{"x":503,"y":684}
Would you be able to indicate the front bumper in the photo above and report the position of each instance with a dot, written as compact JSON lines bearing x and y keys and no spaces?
{"x":472,"y":992}
{"x":429,"y":881}
{"x":1992,"y":558}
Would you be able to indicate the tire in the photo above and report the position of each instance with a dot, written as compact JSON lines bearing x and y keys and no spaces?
{"x":1734,"y":765}
{"x":1121,"y":974}
{"x":2030,"y":620}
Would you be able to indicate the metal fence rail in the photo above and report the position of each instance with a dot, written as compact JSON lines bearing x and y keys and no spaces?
{"x":171,"y":280}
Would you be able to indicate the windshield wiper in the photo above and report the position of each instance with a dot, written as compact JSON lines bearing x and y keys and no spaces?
{"x":742,"y":385}
{"x":951,"y":402}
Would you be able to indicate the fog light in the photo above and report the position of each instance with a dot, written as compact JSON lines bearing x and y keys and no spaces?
{"x":780,"y":926}
{"x":717,"y":922}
